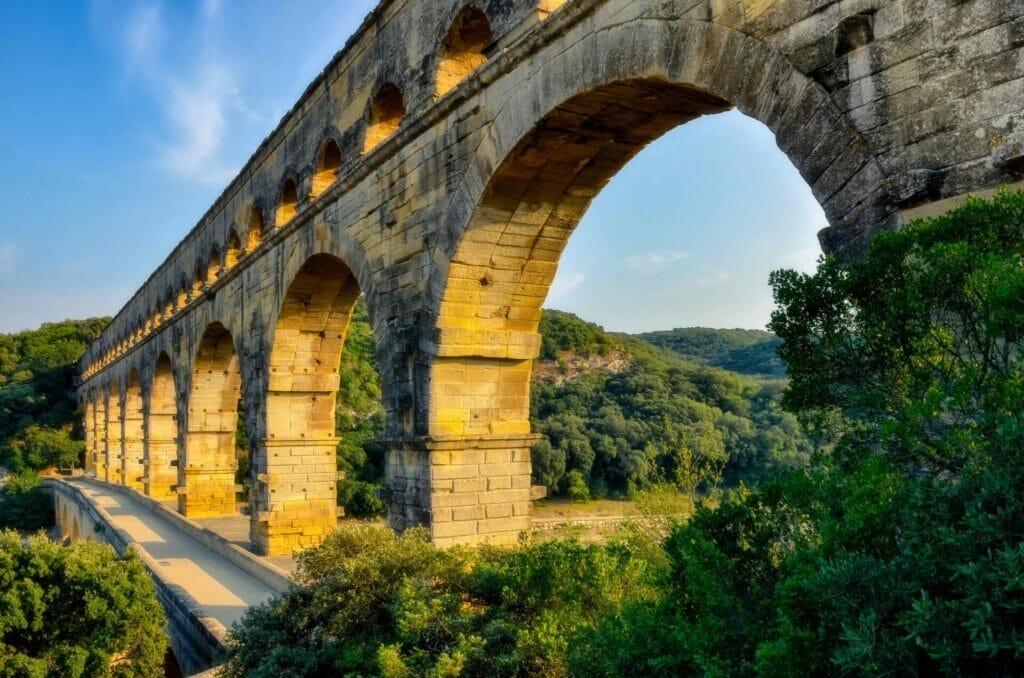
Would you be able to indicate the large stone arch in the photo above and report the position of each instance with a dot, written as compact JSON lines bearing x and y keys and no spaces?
{"x":206,"y":472}
{"x":586,"y":106}
{"x":294,"y":500}
{"x":133,"y":432}
{"x":161,"y":411}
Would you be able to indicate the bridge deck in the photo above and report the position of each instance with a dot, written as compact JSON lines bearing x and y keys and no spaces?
{"x":220,"y":587}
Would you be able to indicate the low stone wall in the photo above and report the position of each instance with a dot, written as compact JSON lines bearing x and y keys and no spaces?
{"x":197,"y":641}
{"x":265,"y":572}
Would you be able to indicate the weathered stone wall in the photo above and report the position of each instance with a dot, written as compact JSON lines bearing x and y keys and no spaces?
{"x":447,"y":204}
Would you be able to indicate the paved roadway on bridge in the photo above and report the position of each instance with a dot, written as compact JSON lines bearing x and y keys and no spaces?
{"x":222,"y":589}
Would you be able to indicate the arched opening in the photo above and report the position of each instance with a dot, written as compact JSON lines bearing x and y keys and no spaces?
{"x":386,"y":115}
{"x":301,"y":415}
{"x":208,"y":473}
{"x":182,"y":299}
{"x":462,"y":51}
{"x":254,"y":230}
{"x":287,"y":203}
{"x":198,"y":281}
{"x":213,"y":269}
{"x":168,"y":305}
{"x":545,"y":175}
{"x":115,"y":431}
{"x":232,"y":251}
{"x":133,"y":432}
{"x":90,"y":433}
{"x":162,"y":433}
{"x":328,"y":164}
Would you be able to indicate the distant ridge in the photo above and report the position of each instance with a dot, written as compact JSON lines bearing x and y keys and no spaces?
{"x":753,"y":352}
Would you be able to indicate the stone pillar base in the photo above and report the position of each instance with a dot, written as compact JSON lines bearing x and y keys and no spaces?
{"x":207,"y":493}
{"x":294,"y":499}
{"x":161,"y":479}
{"x":467,"y":490}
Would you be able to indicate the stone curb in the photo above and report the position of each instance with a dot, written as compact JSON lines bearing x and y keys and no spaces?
{"x":266,"y":573}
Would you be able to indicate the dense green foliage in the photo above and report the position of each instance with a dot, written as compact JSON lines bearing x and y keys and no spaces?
{"x":898,"y":551}
{"x":359,"y":421}
{"x":752,"y":352}
{"x":901,"y":551}
{"x":37,"y":410}
{"x":372,"y":603}
{"x":76,"y":611}
{"x":24,"y":506}
{"x":616,"y":416}
{"x":646,"y":416}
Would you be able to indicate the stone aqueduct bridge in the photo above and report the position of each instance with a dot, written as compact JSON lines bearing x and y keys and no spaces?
{"x":439,"y":165}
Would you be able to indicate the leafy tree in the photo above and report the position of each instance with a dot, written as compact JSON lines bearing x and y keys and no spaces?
{"x":576,"y":486}
{"x":76,"y":611}
{"x":38,"y":415}
{"x":24,"y":506}
{"x":373,"y":603}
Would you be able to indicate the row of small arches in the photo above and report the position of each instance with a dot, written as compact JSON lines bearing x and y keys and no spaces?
{"x":463,"y":50}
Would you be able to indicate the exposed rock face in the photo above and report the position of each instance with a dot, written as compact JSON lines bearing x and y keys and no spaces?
{"x":440,"y":164}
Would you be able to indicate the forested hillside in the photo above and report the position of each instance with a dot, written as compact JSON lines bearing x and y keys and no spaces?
{"x":626,"y":415}
{"x":753,"y":352}
{"x":616,"y":414}
{"x":37,"y":411}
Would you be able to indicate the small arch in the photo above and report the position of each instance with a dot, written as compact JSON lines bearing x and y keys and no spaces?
{"x":198,"y":280}
{"x":162,"y":431}
{"x":386,"y":115}
{"x":168,"y":304}
{"x":213,"y":269}
{"x":254,"y":229}
{"x":287,"y":203}
{"x":328,"y":164}
{"x":232,"y":251}
{"x":182,"y":299}
{"x":462,"y":51}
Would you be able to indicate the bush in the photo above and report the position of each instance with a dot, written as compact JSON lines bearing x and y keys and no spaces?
{"x":373,"y":603}
{"x":76,"y":611}
{"x":24,"y":505}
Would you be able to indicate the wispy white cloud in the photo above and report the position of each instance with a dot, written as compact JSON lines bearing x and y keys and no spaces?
{"x":194,"y":87}
{"x":8,"y":260}
{"x":564,"y":284}
{"x":143,"y":35}
{"x":652,"y":262}
{"x":197,"y":112}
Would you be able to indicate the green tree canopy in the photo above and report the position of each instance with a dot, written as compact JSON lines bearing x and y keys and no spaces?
{"x":76,"y":611}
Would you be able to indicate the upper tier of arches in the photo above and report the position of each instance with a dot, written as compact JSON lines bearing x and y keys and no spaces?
{"x":458,"y":52}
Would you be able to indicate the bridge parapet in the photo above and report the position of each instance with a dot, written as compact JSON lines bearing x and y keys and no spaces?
{"x":197,"y":638}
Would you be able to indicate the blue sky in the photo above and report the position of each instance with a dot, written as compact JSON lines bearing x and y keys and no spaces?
{"x":124,"y":119}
